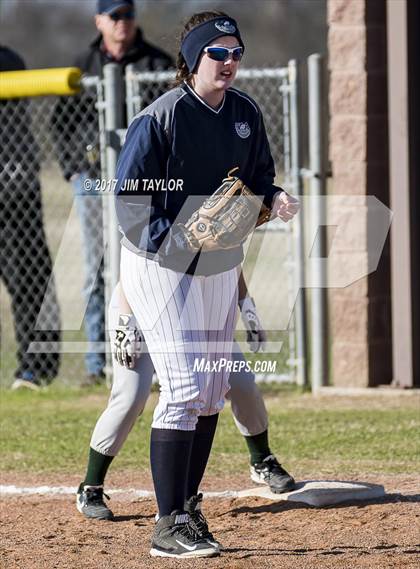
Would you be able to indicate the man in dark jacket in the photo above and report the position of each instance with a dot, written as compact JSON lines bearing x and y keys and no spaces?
{"x":76,"y":130}
{"x":25,"y":262}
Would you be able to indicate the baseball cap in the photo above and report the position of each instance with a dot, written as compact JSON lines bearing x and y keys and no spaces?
{"x":110,"y":6}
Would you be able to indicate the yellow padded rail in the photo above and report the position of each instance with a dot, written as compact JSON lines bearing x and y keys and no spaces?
{"x":40,"y":82}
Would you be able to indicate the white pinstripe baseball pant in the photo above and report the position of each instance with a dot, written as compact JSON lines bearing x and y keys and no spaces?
{"x":131,"y":388}
{"x":184,"y":318}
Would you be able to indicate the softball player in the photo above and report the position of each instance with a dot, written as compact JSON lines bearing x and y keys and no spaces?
{"x":132,"y":380}
{"x":185,"y":303}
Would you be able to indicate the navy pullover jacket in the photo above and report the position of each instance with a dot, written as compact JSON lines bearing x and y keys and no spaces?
{"x":179,"y":141}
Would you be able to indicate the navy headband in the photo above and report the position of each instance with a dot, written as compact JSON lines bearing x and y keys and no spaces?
{"x":200,"y":37}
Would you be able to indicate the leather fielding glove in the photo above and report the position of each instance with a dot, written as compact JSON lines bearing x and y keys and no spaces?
{"x":256,"y":336}
{"x":128,"y":343}
{"x":226,"y":218}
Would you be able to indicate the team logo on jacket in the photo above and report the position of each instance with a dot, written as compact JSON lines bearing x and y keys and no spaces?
{"x":242,"y":129}
{"x":225,"y":27}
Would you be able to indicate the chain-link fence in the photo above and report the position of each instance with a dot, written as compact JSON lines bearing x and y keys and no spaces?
{"x":55,"y":150}
{"x":48,"y":145}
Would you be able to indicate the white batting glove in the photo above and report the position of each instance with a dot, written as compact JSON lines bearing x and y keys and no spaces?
{"x":128,"y":342}
{"x":256,"y":336}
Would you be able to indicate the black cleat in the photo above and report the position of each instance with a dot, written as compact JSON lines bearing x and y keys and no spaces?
{"x":271,"y":473}
{"x":174,"y":536}
{"x":198,"y":521}
{"x":90,"y":503}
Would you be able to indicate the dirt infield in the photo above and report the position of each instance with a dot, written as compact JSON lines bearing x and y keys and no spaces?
{"x":47,"y":532}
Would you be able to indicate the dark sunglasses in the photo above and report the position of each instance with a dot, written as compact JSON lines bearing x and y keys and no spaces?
{"x":117,"y":16}
{"x":223,"y":53}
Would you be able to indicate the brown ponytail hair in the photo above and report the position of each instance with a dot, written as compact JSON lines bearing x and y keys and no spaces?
{"x":182,"y":71}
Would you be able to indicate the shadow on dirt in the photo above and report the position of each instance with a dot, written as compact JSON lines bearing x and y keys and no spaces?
{"x":135,"y":517}
{"x":336,"y":550}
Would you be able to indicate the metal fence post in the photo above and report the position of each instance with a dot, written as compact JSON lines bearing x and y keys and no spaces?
{"x":130,"y":92}
{"x":317,"y":165}
{"x":114,"y":101}
{"x":298,"y":227}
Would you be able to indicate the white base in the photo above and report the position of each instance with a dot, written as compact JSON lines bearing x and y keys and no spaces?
{"x":320,"y":493}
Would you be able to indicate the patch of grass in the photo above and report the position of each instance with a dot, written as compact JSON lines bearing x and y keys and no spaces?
{"x":50,"y":431}
{"x":276,"y":388}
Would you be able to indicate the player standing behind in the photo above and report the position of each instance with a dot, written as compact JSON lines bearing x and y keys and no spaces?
{"x":185,"y":303}
{"x":132,"y":380}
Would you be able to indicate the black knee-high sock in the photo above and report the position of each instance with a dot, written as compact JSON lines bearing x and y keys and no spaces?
{"x":170,"y":452}
{"x":258,"y":447}
{"x":203,"y":440}
{"x":97,"y":468}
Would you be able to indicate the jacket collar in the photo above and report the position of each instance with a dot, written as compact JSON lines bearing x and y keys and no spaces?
{"x":190,"y":90}
{"x":136,"y":49}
